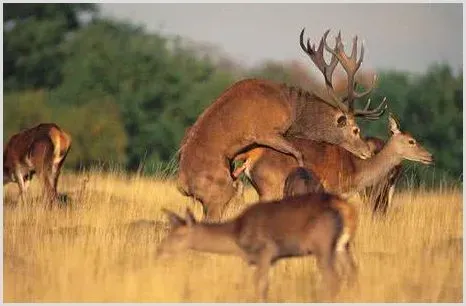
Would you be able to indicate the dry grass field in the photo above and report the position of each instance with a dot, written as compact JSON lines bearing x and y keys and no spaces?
{"x":101,"y":249}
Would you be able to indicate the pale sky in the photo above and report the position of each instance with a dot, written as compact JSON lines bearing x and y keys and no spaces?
{"x":398,"y":36}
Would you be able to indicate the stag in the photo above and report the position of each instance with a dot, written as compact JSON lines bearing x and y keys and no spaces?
{"x":315,"y":223}
{"x":230,"y":126}
{"x":339,"y":171}
{"x":40,"y":150}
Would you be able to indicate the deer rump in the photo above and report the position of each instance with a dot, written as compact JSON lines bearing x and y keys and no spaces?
{"x":40,"y":150}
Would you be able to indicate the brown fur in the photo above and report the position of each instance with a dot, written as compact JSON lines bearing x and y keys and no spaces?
{"x":301,"y":181}
{"x":339,"y":171}
{"x":235,"y":122}
{"x":317,"y":223}
{"x":381,"y":194}
{"x":225,"y":129}
{"x":40,"y":150}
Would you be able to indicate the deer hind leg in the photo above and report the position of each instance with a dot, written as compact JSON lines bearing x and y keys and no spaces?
{"x":263,"y":261}
{"x":56,"y":170}
{"x":21,"y":184}
{"x":349,"y":267}
{"x":326,"y":264}
{"x":43,"y":160}
{"x":278,"y":143}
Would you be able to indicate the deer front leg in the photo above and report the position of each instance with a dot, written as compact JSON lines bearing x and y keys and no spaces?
{"x":278,"y":143}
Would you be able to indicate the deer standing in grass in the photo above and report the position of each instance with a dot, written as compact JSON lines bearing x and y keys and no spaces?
{"x":232,"y":124}
{"x":339,"y":171}
{"x":40,"y":150}
{"x":317,"y":224}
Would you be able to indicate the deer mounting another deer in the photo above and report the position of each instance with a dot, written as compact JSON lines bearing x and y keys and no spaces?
{"x":338,"y":170}
{"x":317,"y":224}
{"x":40,"y":150}
{"x":229,"y":126}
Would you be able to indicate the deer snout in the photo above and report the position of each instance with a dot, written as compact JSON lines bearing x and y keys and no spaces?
{"x":428,"y":159}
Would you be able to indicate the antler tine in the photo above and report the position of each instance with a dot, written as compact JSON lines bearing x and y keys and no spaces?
{"x":349,"y":64}
{"x":317,"y":57}
{"x":373,"y":114}
{"x":358,"y":95}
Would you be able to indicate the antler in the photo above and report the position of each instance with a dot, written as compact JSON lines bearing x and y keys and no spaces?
{"x":351,"y":65}
{"x":317,"y":56}
{"x":373,"y":114}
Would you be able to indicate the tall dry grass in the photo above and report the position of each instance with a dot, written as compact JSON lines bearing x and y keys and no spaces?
{"x":101,"y":249}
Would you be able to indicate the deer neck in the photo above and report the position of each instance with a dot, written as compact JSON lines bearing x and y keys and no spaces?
{"x":215,"y":238}
{"x":371,"y":170}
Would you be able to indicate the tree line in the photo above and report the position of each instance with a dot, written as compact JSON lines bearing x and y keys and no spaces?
{"x":126,"y":95}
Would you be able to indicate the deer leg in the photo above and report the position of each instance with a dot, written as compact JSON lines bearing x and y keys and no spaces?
{"x":58,"y":171}
{"x":326,"y":264}
{"x":22,"y":186}
{"x":239,"y":186}
{"x":349,"y":266}
{"x":280,"y":144}
{"x":218,"y":199}
{"x":46,"y":176}
{"x":261,"y":275}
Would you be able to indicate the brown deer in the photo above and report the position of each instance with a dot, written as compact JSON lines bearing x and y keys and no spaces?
{"x":339,"y":171}
{"x":40,"y":150}
{"x":316,"y":223}
{"x":230,"y":125}
{"x":302,"y":180}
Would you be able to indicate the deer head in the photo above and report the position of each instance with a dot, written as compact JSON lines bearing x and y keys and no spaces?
{"x":180,"y":235}
{"x":406,"y":146}
{"x":348,"y":135}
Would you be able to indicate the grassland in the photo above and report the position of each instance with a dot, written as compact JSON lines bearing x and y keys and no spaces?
{"x":101,"y":249}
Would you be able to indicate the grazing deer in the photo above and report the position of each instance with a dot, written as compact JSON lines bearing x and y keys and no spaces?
{"x":339,"y":171}
{"x":230,"y":125}
{"x":301,"y":181}
{"x":316,"y":223}
{"x":40,"y":150}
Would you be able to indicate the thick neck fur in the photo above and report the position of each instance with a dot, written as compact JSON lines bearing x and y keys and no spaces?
{"x":373,"y":169}
{"x":215,"y":238}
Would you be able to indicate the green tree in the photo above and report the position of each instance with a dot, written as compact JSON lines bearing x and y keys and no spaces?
{"x":159,"y":86}
{"x":32,"y":35}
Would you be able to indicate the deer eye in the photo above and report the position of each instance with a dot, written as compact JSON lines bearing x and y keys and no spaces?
{"x":341,"y":121}
{"x":412,"y":142}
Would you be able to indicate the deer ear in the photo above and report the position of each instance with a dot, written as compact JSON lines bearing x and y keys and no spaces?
{"x":394,"y":125}
{"x":174,"y":219}
{"x":190,"y":221}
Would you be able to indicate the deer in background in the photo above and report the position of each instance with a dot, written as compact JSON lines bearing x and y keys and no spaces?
{"x":317,"y":224}
{"x":339,"y":171}
{"x":230,"y":126}
{"x":40,"y":150}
